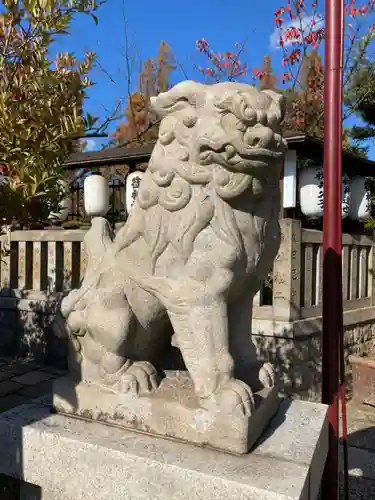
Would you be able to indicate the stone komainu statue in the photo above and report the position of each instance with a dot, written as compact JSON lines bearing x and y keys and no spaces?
{"x":200,"y":240}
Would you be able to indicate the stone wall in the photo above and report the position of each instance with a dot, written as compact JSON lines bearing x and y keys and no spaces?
{"x":296,"y":349}
{"x":25,"y":326}
{"x":36,"y":269}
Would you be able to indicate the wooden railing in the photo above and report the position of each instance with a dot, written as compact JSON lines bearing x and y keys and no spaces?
{"x":42,"y":263}
{"x":297,"y":277}
{"x":356,"y":272}
{"x":48,"y":263}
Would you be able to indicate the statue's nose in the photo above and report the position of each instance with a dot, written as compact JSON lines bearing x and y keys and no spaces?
{"x":259,"y":137}
{"x":213,"y":138}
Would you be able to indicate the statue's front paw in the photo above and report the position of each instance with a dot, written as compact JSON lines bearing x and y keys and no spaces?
{"x":68,"y":301}
{"x":232,"y":397}
{"x":77,"y":322}
{"x":140,"y":378}
{"x":267,"y":375}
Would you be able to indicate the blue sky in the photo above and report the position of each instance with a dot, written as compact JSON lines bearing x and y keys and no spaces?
{"x":221,"y":22}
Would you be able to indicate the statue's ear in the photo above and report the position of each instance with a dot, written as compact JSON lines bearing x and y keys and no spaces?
{"x":278,"y":106}
{"x":183,"y":95}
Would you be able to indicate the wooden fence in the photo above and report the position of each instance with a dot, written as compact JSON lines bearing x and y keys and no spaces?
{"x":297,"y":275}
{"x":43,"y":263}
{"x":48,"y":263}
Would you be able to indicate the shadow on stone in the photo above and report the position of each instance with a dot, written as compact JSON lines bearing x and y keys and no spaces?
{"x":297,"y":359}
{"x":275,"y":422}
{"x":361,"y":455}
{"x":12,"y":486}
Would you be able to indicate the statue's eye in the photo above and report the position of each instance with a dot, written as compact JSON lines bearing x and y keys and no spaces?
{"x":189,"y":120}
{"x":250,"y":116}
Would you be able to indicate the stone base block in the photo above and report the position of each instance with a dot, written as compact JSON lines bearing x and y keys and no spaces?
{"x":363,"y":370}
{"x":72,"y":459}
{"x":172,"y":411}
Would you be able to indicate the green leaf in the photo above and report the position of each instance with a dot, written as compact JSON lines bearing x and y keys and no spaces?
{"x":40,"y":104}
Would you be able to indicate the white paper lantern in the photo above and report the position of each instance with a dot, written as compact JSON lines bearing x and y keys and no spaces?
{"x":346,"y":199}
{"x":133,"y":182}
{"x":290,"y":179}
{"x":360,"y":207}
{"x":96,"y":195}
{"x":311,"y":193}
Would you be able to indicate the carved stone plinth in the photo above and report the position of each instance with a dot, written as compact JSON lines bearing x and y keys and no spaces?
{"x":172,"y":411}
{"x":71,"y":459}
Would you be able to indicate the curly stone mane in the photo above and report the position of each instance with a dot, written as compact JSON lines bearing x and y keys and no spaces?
{"x":193,"y":176}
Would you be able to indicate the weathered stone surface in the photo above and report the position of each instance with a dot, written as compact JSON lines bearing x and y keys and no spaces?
{"x":172,"y":410}
{"x":32,"y":338}
{"x":92,"y":461}
{"x":10,"y":332}
{"x":295,"y":351}
{"x":363,"y":379}
{"x":198,"y":243}
{"x":25,"y":326}
{"x":361,"y":427}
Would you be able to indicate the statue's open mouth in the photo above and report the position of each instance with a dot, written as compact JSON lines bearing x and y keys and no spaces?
{"x":231,"y":155}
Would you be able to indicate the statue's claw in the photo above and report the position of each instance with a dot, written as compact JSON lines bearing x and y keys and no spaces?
{"x":140,"y":378}
{"x":267,"y":375}
{"x":77,"y":322}
{"x":232,"y":397}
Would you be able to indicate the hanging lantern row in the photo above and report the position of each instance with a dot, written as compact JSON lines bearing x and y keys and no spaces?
{"x":356,"y":195}
{"x":96,"y":196}
{"x":96,"y":193}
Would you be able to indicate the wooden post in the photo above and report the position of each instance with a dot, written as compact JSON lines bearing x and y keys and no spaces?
{"x":5,"y":264}
{"x":286,"y":272}
{"x":281,"y":214}
{"x":372,"y":270}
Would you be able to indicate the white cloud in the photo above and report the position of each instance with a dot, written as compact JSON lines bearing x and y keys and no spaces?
{"x":90,"y":145}
{"x":305,"y":23}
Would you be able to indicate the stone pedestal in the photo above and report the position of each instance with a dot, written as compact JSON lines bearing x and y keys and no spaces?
{"x":72,"y":459}
{"x":171,"y":411}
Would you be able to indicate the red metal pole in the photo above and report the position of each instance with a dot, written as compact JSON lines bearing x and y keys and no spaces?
{"x":332,"y":237}
{"x":344,"y":427}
